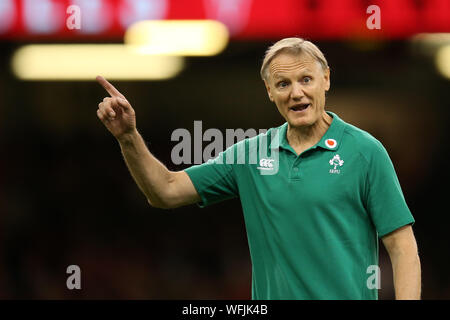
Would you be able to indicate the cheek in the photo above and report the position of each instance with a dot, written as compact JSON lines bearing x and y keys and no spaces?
{"x":316,"y":93}
{"x":280,"y":96}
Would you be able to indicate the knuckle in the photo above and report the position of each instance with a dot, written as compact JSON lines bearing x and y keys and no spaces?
{"x":101,"y":115}
{"x":111,"y":102}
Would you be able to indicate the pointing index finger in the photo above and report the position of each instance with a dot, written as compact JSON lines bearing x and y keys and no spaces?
{"x":113,"y":92}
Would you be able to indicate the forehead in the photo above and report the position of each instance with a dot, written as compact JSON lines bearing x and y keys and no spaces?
{"x":286,"y":63}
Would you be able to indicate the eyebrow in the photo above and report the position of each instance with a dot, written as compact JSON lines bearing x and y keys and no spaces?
{"x":277,"y":76}
{"x":281,"y":76}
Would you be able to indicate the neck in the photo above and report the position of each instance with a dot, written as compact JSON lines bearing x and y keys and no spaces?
{"x":302,"y":138}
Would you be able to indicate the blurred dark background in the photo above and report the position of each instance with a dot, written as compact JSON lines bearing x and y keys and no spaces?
{"x":66,"y":197}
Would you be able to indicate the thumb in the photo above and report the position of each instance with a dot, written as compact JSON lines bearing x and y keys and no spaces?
{"x":123,"y":103}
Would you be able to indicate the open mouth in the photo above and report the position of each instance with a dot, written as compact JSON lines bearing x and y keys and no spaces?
{"x":300,"y":107}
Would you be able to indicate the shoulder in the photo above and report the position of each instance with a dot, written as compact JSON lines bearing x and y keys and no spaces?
{"x":363,"y":142}
{"x":246,"y":148}
{"x":264,"y":138}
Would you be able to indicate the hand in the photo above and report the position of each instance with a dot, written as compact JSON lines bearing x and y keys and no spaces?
{"x":115,"y":111}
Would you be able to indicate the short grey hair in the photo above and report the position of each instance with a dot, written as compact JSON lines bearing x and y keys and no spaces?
{"x":294,"y":46}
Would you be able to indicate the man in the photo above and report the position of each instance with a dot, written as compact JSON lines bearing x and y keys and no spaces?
{"x":314,"y":209}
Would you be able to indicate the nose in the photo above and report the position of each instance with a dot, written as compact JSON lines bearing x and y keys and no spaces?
{"x":297,"y":92}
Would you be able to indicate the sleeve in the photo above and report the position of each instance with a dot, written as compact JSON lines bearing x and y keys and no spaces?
{"x":214,"y":180}
{"x":385,"y":201}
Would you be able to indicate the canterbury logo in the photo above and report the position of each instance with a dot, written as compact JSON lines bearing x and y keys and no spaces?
{"x":266,"y":164}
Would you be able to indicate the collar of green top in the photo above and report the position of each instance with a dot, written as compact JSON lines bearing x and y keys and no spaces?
{"x":331,"y":140}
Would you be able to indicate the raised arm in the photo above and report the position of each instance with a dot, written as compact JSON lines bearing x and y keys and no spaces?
{"x":162,"y":187}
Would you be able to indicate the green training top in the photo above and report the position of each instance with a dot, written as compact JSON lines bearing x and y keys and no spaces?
{"x":312,"y":220}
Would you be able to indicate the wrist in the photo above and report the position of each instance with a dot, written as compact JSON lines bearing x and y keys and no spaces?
{"x":129,"y":137}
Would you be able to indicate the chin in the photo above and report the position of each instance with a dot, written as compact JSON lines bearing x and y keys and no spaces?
{"x":296,"y":122}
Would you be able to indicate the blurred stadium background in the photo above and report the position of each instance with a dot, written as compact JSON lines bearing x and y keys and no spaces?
{"x":66,"y":197}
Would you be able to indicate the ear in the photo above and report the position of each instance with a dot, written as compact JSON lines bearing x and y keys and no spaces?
{"x":266,"y":83}
{"x":327,"y":79}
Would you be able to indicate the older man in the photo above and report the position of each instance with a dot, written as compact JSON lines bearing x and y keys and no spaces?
{"x":319,"y":195}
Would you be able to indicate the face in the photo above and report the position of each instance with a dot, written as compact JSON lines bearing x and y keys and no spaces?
{"x":297,"y":84}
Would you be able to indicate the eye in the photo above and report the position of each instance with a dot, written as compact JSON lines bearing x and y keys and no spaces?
{"x":282,"y":84}
{"x":307,"y":79}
